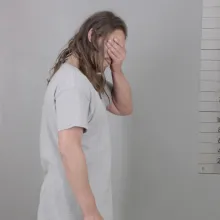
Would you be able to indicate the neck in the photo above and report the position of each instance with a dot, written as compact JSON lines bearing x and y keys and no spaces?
{"x":74,"y":61}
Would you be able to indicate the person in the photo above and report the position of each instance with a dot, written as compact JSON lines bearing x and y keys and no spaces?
{"x":75,"y":140}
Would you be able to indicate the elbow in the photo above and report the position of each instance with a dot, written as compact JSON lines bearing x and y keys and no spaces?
{"x":127,"y":111}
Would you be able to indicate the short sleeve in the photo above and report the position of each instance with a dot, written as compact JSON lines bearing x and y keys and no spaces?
{"x":72,"y":109}
{"x":107,"y":96}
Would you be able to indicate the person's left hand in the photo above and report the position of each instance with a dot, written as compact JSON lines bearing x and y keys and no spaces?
{"x":117,"y":54}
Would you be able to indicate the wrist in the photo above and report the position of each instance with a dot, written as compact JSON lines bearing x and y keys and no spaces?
{"x":118,"y":72}
{"x":90,"y":210}
{"x":92,"y":216}
{"x":88,"y":206}
{"x":95,"y":216}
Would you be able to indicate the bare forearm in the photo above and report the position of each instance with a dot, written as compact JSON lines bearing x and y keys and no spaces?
{"x":77,"y":174}
{"x":121,"y":94}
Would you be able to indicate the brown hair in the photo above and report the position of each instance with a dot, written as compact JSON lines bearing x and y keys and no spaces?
{"x":91,"y":54}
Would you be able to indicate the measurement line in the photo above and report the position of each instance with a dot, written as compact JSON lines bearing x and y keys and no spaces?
{"x":208,"y":60}
{"x":210,"y":6}
{"x":207,"y":163}
{"x":211,"y":153}
{"x":210,"y":101}
{"x":209,"y":132}
{"x":217,"y":28}
{"x":211,"y":17}
{"x":211,"y":49}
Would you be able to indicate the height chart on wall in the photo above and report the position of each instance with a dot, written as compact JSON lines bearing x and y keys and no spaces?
{"x":209,"y":97}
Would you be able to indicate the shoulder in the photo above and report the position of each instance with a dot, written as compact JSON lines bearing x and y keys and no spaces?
{"x":71,"y":78}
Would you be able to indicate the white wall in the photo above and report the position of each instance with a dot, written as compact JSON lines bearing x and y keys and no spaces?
{"x":155,"y":173}
{"x":163,"y":159}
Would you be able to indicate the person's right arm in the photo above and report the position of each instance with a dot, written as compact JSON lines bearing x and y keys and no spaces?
{"x":76,"y":170}
{"x":72,"y":112}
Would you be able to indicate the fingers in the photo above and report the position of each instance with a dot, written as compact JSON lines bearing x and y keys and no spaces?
{"x":112,"y":45}
{"x":116,"y":49}
{"x":112,"y":54}
{"x":118,"y":42}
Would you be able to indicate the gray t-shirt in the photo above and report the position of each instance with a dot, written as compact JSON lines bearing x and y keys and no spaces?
{"x":72,"y":101}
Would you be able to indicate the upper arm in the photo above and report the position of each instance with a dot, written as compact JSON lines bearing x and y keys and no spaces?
{"x":72,"y":113}
{"x":108,"y":100}
{"x":72,"y":109}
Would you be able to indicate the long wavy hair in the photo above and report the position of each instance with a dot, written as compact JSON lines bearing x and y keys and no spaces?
{"x":90,"y":53}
